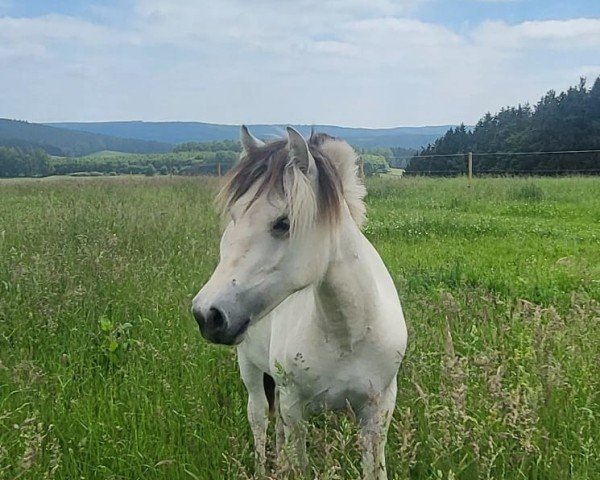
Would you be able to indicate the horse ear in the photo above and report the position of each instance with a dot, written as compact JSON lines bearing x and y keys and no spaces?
{"x":249,"y":141}
{"x":299,"y":153}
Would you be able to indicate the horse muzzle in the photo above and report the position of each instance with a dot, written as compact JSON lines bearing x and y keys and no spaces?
{"x":217,"y":328}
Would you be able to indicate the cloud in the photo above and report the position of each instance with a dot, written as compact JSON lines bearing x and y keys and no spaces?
{"x":353,"y":62}
{"x":263,"y":24}
{"x":21,"y":37}
{"x":548,"y":34}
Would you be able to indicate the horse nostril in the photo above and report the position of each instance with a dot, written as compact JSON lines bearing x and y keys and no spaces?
{"x":198,"y":316}
{"x":215,"y":319}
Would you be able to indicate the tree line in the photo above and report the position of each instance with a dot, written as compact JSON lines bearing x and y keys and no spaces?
{"x":214,"y":146}
{"x":558,"y":122}
{"x":24,"y":162}
{"x":191,"y":158}
{"x":175,"y":163}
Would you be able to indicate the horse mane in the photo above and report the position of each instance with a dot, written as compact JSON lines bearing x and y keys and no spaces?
{"x":269,"y":168}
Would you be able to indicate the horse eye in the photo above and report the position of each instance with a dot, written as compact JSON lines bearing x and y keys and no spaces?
{"x":282,"y":225}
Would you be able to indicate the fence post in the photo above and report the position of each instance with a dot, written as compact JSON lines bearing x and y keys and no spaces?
{"x":470,"y":167}
{"x":362,"y":167}
{"x":219,"y":169}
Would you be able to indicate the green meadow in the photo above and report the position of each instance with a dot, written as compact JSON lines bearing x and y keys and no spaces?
{"x":103,"y":374}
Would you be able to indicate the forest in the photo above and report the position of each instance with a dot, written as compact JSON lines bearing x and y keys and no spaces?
{"x":511,"y":140}
{"x":24,"y":162}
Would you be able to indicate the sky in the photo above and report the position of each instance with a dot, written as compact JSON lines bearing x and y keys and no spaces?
{"x":363,"y":63}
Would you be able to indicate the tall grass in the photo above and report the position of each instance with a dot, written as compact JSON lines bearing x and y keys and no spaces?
{"x":103,"y":374}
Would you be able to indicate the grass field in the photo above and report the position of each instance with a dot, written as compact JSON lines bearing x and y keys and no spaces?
{"x":104,"y":375}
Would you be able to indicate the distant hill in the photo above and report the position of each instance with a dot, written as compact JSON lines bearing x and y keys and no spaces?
{"x":69,"y":142}
{"x":181,"y":132}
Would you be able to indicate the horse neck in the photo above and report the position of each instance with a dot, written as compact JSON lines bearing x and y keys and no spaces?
{"x":346,"y":294}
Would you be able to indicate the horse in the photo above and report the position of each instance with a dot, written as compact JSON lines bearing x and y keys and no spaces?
{"x":304,"y":296}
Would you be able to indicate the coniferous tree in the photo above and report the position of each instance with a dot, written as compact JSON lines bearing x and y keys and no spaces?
{"x":558,"y":122}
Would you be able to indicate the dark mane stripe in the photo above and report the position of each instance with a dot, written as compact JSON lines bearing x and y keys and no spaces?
{"x":266,"y":166}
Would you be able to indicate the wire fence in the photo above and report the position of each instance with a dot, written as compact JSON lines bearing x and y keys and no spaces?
{"x":544,"y":163}
{"x":557,"y":162}
{"x":470,"y":164}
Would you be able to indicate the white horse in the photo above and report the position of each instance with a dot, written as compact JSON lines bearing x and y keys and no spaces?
{"x":304,"y":295}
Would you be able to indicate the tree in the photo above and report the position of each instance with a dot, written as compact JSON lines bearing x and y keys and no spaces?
{"x":374,"y":164}
{"x":149,"y":170}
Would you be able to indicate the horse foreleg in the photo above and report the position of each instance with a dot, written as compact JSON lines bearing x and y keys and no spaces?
{"x":258,"y":413}
{"x":375,"y":420}
{"x":258,"y":417}
{"x":293,"y":452}
{"x":279,"y":431}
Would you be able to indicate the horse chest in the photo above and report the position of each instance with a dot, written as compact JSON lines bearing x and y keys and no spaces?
{"x":324,"y":378}
{"x":321,"y":371}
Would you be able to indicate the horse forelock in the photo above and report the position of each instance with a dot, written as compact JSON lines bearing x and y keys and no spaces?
{"x":268,"y":169}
